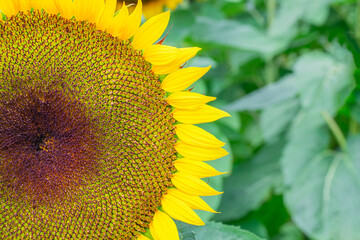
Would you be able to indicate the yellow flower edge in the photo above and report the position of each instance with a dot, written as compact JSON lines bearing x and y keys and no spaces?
{"x":195,"y":145}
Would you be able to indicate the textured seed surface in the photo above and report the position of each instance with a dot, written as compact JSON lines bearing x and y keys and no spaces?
{"x":86,"y":138}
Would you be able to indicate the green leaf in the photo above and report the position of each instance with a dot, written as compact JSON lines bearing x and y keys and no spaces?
{"x":251,"y":183}
{"x":186,"y":231}
{"x":289,"y":231}
{"x":271,"y":94}
{"x":324,"y":80}
{"x":216,"y":231}
{"x":325,"y":198}
{"x":237,"y":35}
{"x":322,"y":186}
{"x":306,"y":140}
{"x":290,"y":13}
{"x":252,"y":224}
{"x":275,"y":119}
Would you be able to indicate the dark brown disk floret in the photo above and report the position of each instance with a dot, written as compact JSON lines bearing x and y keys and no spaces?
{"x":48,"y":145}
{"x":86,"y":136}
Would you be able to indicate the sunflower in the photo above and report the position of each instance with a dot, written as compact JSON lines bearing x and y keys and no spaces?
{"x":97,"y":132}
{"x":153,"y":7}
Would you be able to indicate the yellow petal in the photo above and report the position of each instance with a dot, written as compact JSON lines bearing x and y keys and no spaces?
{"x":184,"y":55}
{"x":152,"y":8}
{"x":87,"y":10}
{"x":151,"y":31}
{"x":134,"y":21}
{"x":65,"y":7}
{"x":183,"y":78}
{"x":142,"y":237}
{"x":196,"y":136}
{"x":188,"y":100}
{"x":163,"y":227}
{"x":9,"y":8}
{"x":198,"y":153}
{"x":161,"y":54}
{"x":179,"y":210}
{"x":48,"y":5}
{"x":106,"y":15}
{"x":203,"y":114}
{"x":196,"y":168}
{"x":192,"y":185}
{"x":193,"y":202}
{"x":24,"y":5}
{"x":35,"y":4}
{"x":117,"y":26}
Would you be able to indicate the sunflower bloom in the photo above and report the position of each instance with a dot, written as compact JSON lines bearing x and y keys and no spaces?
{"x":153,"y":7}
{"x":93,"y":145}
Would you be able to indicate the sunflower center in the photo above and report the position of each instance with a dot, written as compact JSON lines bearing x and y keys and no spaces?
{"x":45,"y":144}
{"x":39,"y":142}
{"x":86,"y":137}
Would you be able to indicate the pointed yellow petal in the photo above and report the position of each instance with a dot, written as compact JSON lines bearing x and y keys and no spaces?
{"x":48,"y":5}
{"x":9,"y":8}
{"x":87,"y":10}
{"x":185,"y":55}
{"x":118,"y":24}
{"x":65,"y":7}
{"x":163,"y":227}
{"x":196,"y":136}
{"x":133,"y":22}
{"x":106,"y":15}
{"x":151,"y":31}
{"x":183,"y":78}
{"x":24,"y":5}
{"x":192,"y":185}
{"x":198,"y":153}
{"x":196,"y":168}
{"x":203,"y":114}
{"x":179,"y":210}
{"x":193,"y":202}
{"x":161,"y":54}
{"x":81,"y":9}
{"x":188,"y":100}
{"x":142,"y":237}
{"x":196,"y":160}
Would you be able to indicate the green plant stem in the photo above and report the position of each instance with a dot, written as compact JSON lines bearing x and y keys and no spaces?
{"x":270,"y":70}
{"x":353,"y":126}
{"x":270,"y":66}
{"x":357,"y":28}
{"x":271,"y":9}
{"x":336,"y":131}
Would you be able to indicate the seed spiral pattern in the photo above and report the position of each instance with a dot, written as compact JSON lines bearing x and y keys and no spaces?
{"x":87,"y":120}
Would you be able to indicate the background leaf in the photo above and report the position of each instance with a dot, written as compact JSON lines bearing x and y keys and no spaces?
{"x":277,"y":66}
{"x":316,"y":199}
{"x":213,"y":231}
{"x":236,"y":35}
{"x":251,"y":183}
{"x":324,"y":80}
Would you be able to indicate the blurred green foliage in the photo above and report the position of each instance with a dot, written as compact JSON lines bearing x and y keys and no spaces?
{"x":286,"y":70}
